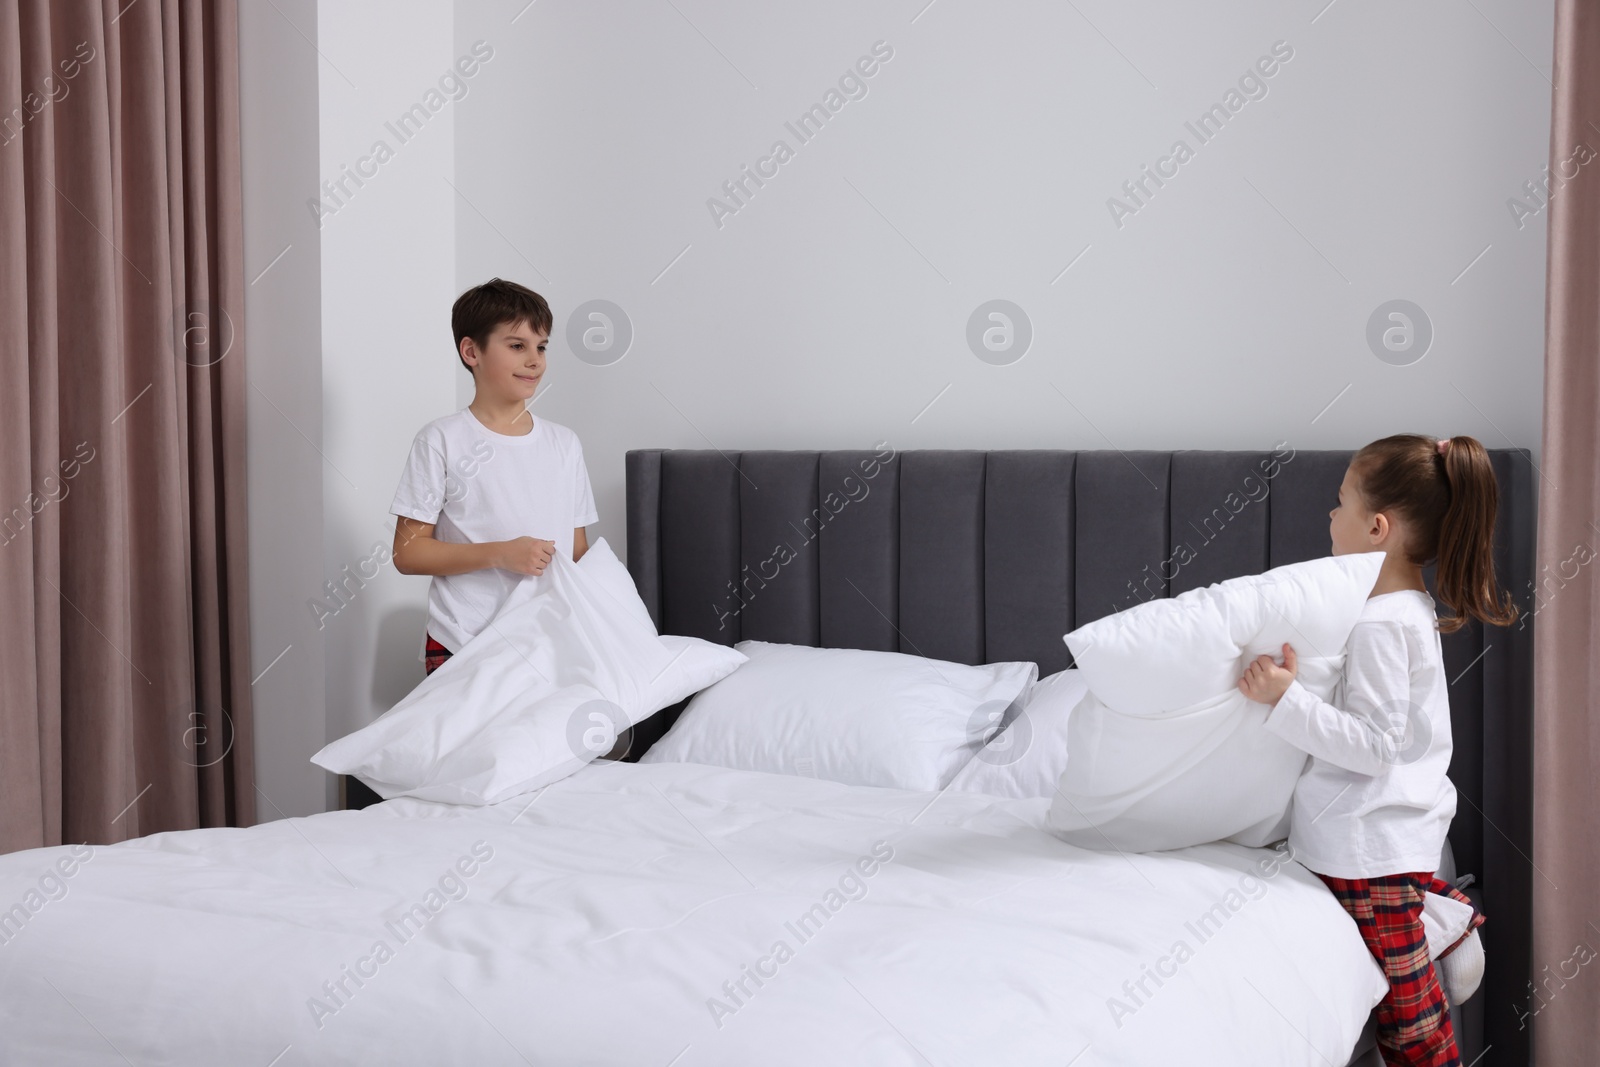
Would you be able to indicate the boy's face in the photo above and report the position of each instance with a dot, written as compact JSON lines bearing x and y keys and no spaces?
{"x":512,"y":363}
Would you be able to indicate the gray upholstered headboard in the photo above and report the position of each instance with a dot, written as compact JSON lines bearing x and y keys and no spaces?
{"x":983,"y":556}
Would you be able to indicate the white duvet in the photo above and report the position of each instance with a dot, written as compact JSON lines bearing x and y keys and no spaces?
{"x":673,"y":914}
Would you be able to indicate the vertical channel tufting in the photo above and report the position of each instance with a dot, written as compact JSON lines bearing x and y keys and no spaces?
{"x":1506,"y":806}
{"x":780,"y":517}
{"x":642,"y":470}
{"x":1028,"y":559}
{"x":1122,"y":507}
{"x":1464,"y":668}
{"x":1219,"y":517}
{"x":859,"y":551}
{"x":1305,"y":488}
{"x":941,"y":555}
{"x":700,"y":545}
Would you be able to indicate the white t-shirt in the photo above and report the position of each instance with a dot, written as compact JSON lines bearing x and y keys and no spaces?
{"x":1375,"y":799}
{"x":477,"y":485}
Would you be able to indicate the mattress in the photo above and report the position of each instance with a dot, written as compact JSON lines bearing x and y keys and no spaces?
{"x":673,"y":914}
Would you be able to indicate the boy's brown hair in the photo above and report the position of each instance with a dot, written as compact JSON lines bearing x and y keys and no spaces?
{"x":1450,"y":498}
{"x":479,"y":310}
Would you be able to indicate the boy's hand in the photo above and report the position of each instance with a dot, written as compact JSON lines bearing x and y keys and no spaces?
{"x":526,"y":555}
{"x":1264,"y":681}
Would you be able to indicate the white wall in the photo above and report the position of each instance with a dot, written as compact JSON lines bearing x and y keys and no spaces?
{"x":388,"y":279}
{"x":282,"y":324}
{"x":1226,"y":313}
{"x":1229,"y":311}
{"x":353,"y":381}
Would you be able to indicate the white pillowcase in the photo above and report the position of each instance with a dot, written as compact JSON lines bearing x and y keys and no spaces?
{"x":1026,"y":758}
{"x":612,"y":581}
{"x":695,"y":663}
{"x":844,"y":714}
{"x":1445,"y":920}
{"x":1165,"y":752}
{"x":568,"y":661}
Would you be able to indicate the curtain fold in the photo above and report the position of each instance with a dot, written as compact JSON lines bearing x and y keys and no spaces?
{"x":1563,"y":1003}
{"x":124,"y":667}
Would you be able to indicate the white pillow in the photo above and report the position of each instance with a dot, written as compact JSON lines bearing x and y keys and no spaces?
{"x":1165,"y":752}
{"x":1026,"y":758}
{"x":845,"y":714}
{"x":1445,"y":920}
{"x":565,"y":664}
{"x":695,"y":663}
{"x":612,"y":580}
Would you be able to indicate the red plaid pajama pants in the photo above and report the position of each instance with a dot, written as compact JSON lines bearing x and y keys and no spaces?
{"x":1413,"y":1019}
{"x":434,"y":655}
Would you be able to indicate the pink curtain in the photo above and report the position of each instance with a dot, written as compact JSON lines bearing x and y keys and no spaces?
{"x":1564,"y":1002}
{"x":124,"y":649}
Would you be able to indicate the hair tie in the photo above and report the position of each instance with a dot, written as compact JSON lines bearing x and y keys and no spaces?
{"x":1443,"y":444}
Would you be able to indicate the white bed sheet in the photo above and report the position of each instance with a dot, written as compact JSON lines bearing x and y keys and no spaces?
{"x":618,"y":902}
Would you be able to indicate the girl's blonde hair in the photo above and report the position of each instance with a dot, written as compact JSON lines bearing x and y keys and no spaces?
{"x":1449,"y":497}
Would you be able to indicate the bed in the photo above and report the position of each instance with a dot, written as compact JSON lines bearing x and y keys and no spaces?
{"x":633,"y":913}
{"x":986,"y":556}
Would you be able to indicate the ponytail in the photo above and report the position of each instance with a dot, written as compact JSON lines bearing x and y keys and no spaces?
{"x":1465,"y":575}
{"x":1448,"y":493}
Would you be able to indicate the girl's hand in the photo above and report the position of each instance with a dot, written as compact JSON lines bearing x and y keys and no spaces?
{"x":1264,"y":681}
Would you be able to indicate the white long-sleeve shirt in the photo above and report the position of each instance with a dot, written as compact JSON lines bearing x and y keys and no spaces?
{"x":1375,"y":799}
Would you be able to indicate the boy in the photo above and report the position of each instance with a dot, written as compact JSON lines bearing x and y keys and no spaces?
{"x":490,"y":493}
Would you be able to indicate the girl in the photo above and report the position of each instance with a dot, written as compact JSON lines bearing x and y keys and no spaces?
{"x":1372,"y":807}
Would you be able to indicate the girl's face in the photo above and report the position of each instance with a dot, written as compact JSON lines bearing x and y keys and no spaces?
{"x":1353,"y":528}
